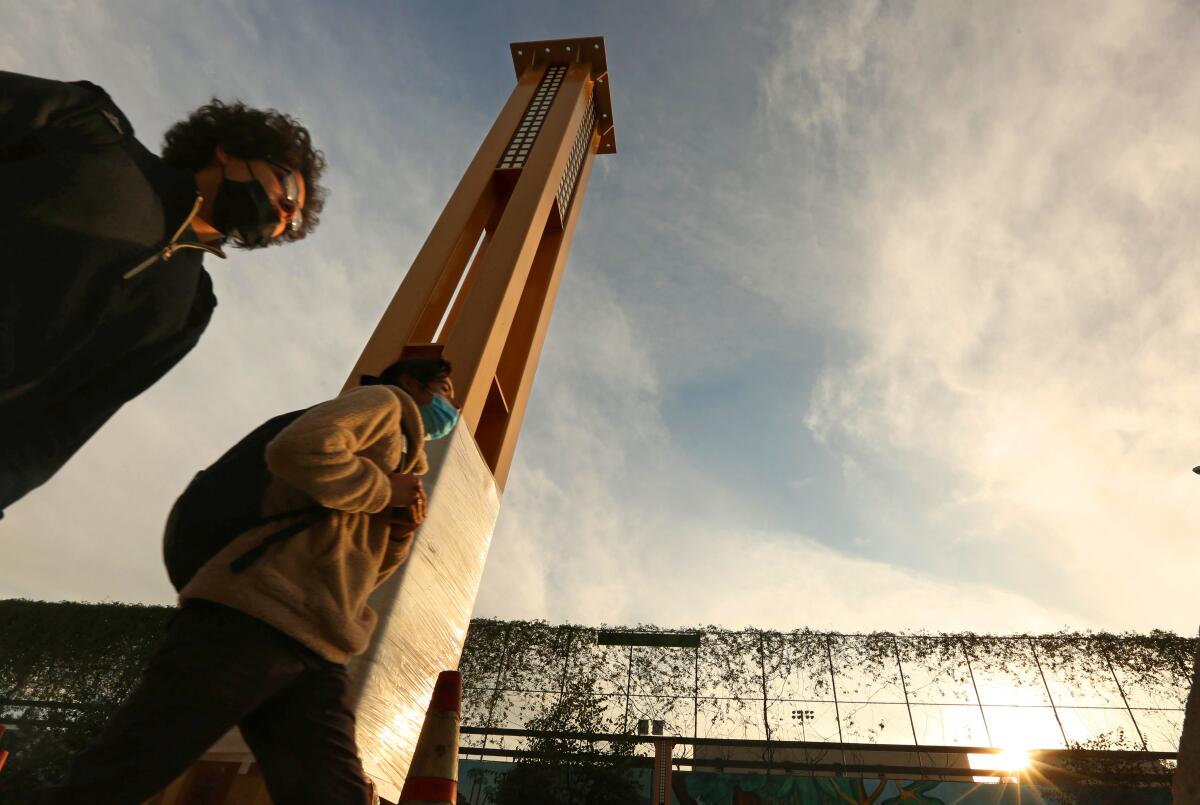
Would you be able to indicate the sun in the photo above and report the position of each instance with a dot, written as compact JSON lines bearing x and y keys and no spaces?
{"x":1012,"y":759}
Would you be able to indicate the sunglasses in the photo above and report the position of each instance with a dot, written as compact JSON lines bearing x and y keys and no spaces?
{"x":291,"y":194}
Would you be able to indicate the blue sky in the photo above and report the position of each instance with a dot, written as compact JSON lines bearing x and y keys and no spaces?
{"x":882,"y":317}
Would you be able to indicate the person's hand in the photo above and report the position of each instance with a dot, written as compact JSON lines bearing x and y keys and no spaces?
{"x":408,"y":503}
{"x":405,"y":490}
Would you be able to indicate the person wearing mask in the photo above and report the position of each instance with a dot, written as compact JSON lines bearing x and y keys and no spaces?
{"x":267,"y":624}
{"x":102,"y":284}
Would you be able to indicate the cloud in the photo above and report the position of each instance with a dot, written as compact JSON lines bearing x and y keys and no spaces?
{"x":620,"y":567}
{"x":1026,"y":318}
{"x":948,"y":241}
{"x":613,"y":522}
{"x":825,"y":52}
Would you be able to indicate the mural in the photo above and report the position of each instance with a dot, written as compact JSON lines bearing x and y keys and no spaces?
{"x":761,"y":789}
{"x":477,"y":784}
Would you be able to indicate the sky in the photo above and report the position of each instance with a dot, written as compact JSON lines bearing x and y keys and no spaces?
{"x":882,"y":317}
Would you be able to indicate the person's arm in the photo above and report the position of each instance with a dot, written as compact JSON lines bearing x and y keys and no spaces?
{"x":409,"y":504}
{"x":29,"y":105}
{"x":319,"y":452}
{"x":397,"y":554}
{"x":39,"y":439}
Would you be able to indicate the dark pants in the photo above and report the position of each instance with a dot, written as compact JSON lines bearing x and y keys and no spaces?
{"x":218,"y":668}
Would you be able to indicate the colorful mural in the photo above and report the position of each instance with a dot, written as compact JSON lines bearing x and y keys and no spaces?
{"x":477,"y":781}
{"x":761,"y":789}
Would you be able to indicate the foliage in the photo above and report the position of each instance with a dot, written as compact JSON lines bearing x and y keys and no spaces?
{"x":555,"y":773}
{"x":79,"y":662}
{"x":561,"y":782}
{"x":568,"y":770}
{"x":521,"y":672}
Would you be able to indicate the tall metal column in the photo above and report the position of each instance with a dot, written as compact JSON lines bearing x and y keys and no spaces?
{"x":480,"y":292}
{"x":516,"y":209}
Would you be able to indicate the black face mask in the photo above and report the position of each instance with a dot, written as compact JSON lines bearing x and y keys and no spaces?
{"x":242,"y":211}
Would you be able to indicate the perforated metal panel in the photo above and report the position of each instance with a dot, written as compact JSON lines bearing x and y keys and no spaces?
{"x":517,"y":152}
{"x":570,"y":177}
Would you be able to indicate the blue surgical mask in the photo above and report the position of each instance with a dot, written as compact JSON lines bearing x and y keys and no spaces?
{"x":439,"y":417}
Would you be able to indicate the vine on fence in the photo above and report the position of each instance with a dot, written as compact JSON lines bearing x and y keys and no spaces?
{"x":64,"y":668}
{"x":531,"y":674}
{"x":79,"y":661}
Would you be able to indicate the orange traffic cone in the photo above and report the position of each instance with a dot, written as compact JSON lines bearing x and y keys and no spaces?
{"x":433,"y":774}
{"x":3,"y":752}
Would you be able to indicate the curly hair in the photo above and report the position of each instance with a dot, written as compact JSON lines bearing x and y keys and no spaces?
{"x":249,"y":133}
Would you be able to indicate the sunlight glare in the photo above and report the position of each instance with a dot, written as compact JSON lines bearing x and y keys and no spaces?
{"x":1012,"y":759}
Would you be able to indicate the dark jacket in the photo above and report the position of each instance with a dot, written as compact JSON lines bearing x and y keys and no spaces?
{"x":102,"y":287}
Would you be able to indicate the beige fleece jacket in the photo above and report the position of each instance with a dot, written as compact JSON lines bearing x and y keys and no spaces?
{"x":314,"y":585}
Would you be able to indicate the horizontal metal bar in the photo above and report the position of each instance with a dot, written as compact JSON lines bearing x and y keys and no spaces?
{"x":35,"y":722}
{"x":688,"y":697}
{"x":657,"y":639}
{"x":54,"y":705}
{"x":816,"y":745}
{"x":1060,"y":638}
{"x":836,"y":769}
